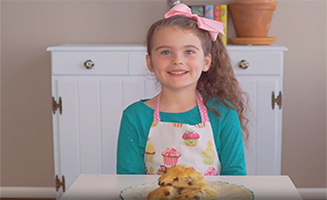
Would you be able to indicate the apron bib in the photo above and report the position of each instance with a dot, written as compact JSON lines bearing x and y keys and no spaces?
{"x":170,"y":144}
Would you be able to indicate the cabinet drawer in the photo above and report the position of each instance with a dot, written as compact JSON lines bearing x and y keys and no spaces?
{"x":105,"y":63}
{"x":260,"y":63}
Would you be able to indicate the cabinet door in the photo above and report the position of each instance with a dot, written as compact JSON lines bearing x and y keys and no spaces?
{"x":87,"y":130}
{"x":263,"y":156}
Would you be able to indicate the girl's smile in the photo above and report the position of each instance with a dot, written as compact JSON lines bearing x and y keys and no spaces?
{"x":178,"y":72}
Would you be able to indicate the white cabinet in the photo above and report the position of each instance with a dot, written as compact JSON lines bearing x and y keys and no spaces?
{"x":263,"y":81}
{"x":91,"y":103}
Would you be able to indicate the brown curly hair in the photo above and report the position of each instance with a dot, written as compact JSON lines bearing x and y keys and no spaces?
{"x":219,"y":81}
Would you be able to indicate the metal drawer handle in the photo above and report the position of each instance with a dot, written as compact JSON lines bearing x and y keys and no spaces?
{"x":89,"y":64}
{"x":244,"y":64}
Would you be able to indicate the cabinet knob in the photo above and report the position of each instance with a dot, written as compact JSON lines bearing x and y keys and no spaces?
{"x":89,"y":64}
{"x":244,"y":64}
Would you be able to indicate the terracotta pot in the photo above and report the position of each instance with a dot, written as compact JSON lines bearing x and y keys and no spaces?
{"x":252,"y":18}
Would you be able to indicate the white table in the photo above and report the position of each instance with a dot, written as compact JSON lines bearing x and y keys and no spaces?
{"x":108,"y":186}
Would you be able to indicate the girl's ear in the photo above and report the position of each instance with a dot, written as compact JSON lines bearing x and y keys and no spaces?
{"x":148,"y":62}
{"x":207,"y":62}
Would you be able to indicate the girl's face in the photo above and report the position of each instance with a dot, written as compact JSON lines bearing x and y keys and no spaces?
{"x":177,"y":58}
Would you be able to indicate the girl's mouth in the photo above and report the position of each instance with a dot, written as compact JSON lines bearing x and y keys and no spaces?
{"x":177,"y":72}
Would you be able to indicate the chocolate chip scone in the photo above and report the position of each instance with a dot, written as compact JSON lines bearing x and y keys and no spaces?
{"x":204,"y":193}
{"x":182,"y":176}
{"x":163,"y":193}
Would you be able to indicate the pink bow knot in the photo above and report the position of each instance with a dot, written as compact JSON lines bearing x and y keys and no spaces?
{"x":214,"y":27}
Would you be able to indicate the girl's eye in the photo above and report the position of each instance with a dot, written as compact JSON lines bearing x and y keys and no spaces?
{"x":189,"y":52}
{"x":165,"y":52}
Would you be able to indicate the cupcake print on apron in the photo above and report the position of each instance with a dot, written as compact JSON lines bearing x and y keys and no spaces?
{"x":191,"y":138}
{"x":150,"y":151}
{"x":170,"y":156}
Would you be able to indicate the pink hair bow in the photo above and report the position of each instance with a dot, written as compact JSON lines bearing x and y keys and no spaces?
{"x":212,"y":26}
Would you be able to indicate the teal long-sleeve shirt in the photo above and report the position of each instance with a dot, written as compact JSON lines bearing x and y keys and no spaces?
{"x":138,"y":117}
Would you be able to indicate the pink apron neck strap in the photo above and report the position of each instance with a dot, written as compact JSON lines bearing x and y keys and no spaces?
{"x":202,"y":108}
{"x":156,"y":114}
{"x":199,"y":101}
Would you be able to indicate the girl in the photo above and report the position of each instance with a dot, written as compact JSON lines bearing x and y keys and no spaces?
{"x":198,"y":117}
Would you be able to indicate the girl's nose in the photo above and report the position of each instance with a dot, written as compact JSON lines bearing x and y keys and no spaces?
{"x":177,"y":60}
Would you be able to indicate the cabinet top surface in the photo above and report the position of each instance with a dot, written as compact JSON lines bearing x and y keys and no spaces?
{"x":140,"y":47}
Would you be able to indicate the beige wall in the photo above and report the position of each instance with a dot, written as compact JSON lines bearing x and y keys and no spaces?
{"x":29,"y":27}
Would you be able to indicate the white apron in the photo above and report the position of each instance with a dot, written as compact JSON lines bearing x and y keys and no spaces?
{"x":170,"y":144}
